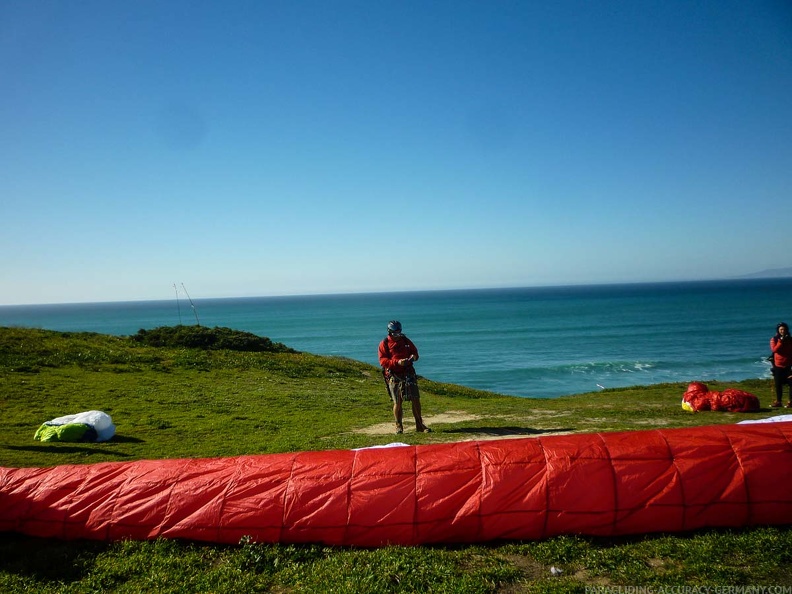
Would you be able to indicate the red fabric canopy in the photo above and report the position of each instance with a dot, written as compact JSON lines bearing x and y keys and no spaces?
{"x":699,"y":397}
{"x":598,"y":484}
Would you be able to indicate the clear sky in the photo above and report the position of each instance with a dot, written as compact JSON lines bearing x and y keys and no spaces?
{"x":251,"y":148}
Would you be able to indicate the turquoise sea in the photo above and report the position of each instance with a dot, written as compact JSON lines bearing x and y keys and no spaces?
{"x":538,"y":342}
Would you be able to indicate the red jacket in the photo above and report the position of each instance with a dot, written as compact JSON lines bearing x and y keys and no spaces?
{"x":782,"y":351}
{"x":391,"y":351}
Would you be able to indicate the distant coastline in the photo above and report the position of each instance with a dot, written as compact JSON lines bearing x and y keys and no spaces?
{"x":770,"y":273}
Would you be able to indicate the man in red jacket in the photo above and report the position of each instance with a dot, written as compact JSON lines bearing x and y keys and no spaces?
{"x":397,"y":353}
{"x":781,"y":345}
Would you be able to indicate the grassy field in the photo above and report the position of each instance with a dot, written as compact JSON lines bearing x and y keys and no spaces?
{"x":175,"y":401}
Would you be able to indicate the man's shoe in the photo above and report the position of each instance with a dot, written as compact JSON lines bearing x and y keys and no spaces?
{"x":776,"y":404}
{"x":399,"y":429}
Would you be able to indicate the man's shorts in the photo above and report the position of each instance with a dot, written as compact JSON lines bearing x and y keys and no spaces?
{"x":403,"y":389}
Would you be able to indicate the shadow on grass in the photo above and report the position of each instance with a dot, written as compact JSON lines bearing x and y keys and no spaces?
{"x":506,"y":431}
{"x":60,"y":448}
{"x":48,"y":560}
{"x":126,"y":439}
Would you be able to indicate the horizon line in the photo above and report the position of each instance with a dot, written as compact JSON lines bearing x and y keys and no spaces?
{"x":748,"y":277}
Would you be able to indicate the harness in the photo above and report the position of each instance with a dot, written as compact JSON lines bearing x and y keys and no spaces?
{"x":402,"y":382}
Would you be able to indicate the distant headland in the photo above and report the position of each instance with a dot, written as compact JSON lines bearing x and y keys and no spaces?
{"x":771,"y":273}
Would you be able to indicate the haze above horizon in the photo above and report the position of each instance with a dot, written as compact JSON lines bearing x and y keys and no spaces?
{"x":281,"y":148}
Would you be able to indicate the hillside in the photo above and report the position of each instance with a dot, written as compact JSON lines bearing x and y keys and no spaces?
{"x":177,"y":401}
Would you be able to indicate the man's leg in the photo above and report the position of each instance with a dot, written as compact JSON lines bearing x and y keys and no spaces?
{"x":416,"y":409}
{"x":397,"y":414}
{"x":778,"y":386}
{"x":397,"y":405}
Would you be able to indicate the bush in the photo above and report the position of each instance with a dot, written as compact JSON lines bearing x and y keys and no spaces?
{"x":217,"y":338}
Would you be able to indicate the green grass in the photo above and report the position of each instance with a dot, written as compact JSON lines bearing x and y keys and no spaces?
{"x":175,"y":402}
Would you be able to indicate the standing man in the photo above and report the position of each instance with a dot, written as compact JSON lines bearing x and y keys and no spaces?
{"x":781,"y":345}
{"x":397,"y":354}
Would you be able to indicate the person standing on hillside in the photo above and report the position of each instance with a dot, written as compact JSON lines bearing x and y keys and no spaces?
{"x":397,"y":353}
{"x":781,"y":345}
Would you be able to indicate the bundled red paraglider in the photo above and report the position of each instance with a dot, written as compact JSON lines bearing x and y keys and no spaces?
{"x":699,"y":397}
{"x":605,"y":484}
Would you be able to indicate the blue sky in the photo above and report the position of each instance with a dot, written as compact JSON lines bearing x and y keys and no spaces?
{"x":300,"y":147}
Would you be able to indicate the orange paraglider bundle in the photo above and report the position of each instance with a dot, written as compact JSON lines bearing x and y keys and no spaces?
{"x":699,"y":397}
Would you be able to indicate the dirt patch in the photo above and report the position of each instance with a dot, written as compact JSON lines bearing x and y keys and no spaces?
{"x":532,"y":570}
{"x":550,"y":413}
{"x":449,"y":417}
{"x":452,"y":417}
{"x":653,"y":422}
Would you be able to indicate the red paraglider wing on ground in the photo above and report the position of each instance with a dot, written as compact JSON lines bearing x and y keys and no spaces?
{"x":598,"y":484}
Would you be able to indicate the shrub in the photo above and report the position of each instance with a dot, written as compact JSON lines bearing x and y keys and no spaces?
{"x":217,"y":338}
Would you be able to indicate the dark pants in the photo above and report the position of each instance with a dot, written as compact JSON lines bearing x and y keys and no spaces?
{"x":781,"y":379}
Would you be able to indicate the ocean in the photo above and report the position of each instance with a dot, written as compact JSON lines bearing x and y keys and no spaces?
{"x":534,"y":342}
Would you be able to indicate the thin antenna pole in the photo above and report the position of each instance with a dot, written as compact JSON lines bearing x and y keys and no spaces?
{"x":178,"y":306}
{"x":195,"y":311}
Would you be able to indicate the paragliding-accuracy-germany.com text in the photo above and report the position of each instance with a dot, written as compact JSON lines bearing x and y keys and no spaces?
{"x":688,"y":589}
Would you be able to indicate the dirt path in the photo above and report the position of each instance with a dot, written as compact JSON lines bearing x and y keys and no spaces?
{"x":522,"y":427}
